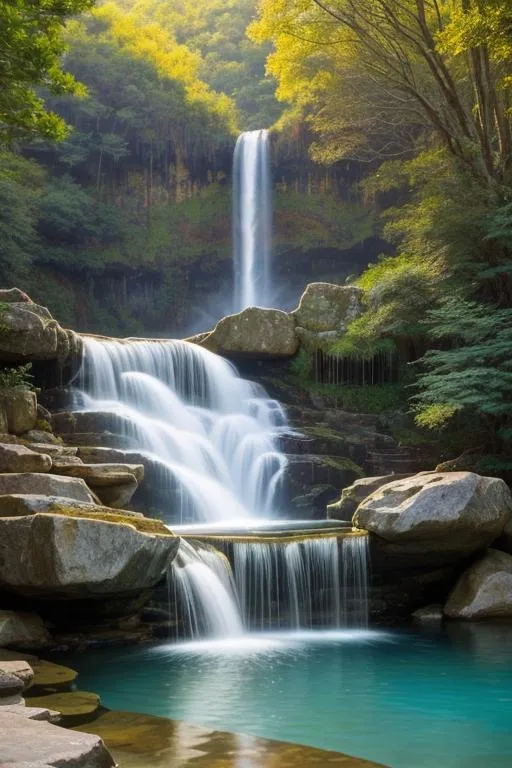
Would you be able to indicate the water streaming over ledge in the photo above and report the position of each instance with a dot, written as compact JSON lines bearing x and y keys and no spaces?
{"x":252,"y":220}
{"x":294,"y":583}
{"x":211,"y":434}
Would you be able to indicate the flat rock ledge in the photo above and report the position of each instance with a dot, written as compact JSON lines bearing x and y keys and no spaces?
{"x":64,"y":556}
{"x":29,"y":743}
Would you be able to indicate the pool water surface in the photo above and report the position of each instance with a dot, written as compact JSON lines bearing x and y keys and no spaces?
{"x":439,"y":698}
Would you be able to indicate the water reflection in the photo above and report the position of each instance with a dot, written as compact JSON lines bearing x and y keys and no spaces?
{"x":406,"y":699}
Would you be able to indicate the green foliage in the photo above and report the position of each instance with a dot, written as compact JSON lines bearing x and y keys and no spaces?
{"x":229,"y":62}
{"x":32,"y":46}
{"x":320,"y":221}
{"x":470,"y":370}
{"x":16,"y":378}
{"x":301,"y":367}
{"x":376,"y":398}
{"x":21,"y":182}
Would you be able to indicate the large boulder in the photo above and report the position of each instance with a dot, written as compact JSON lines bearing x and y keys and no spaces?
{"x":30,"y":333}
{"x":27,"y":743}
{"x":452,"y":513}
{"x":254,"y":332}
{"x":22,"y":630}
{"x":354,"y":494}
{"x":484,"y":591}
{"x":43,"y":484}
{"x":62,"y":556}
{"x":326,"y":307}
{"x":19,"y":407}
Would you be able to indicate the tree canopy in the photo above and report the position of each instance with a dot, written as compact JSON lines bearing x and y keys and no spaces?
{"x":31,"y":49}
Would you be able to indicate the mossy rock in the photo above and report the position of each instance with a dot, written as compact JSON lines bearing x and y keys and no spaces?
{"x":50,"y":675}
{"x":326,"y":307}
{"x":74,"y":706}
{"x":105,"y":514}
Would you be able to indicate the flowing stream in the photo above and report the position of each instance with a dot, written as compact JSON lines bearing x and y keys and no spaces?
{"x":252,"y":220}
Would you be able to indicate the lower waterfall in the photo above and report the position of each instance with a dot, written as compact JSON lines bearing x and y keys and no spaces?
{"x":314,"y":583}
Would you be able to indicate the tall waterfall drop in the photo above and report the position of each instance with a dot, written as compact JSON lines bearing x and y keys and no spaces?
{"x":252,"y":220}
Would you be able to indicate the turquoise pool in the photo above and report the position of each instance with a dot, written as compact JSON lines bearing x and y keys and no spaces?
{"x":408,"y":699}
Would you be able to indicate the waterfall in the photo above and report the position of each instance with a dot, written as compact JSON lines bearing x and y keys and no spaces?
{"x":252,"y":220}
{"x":204,"y":593}
{"x":309,"y":583}
{"x":211,"y":434}
{"x":213,"y":438}
{"x":313,"y":582}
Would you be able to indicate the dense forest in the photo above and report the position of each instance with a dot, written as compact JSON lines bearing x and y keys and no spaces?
{"x":391,"y":131}
{"x":421,"y":92}
{"x":123,"y":225}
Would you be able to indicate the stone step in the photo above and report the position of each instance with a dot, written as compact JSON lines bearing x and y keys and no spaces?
{"x":105,"y":439}
{"x":75,"y":706}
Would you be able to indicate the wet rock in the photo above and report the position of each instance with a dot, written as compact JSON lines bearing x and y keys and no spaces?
{"x":20,"y":409}
{"x":59,"y":556}
{"x":484,"y":591}
{"x":312,"y":505}
{"x":304,"y":471}
{"x":55,"y":746}
{"x":325,"y":307}
{"x":452,"y":513}
{"x":254,"y":332}
{"x":20,"y":504}
{"x":44,"y":484}
{"x":60,"y":462}
{"x":354,"y":494}
{"x":101,"y":455}
{"x":52,"y":676}
{"x":23,"y":630}
{"x":73,"y":706}
{"x":19,"y":458}
{"x":13,"y":295}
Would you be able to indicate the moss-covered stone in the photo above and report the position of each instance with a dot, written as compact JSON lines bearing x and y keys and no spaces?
{"x":72,"y":705}
{"x":94,"y":512}
{"x":50,"y":675}
{"x":255,"y":332}
{"x":326,"y":307}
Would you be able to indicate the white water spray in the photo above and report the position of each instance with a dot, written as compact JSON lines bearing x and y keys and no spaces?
{"x":252,"y":220}
{"x":211,"y":433}
{"x":204,"y":593}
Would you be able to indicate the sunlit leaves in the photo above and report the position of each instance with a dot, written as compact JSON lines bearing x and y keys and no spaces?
{"x":31,"y":46}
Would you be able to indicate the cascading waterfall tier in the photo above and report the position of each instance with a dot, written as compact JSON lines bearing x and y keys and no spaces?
{"x":252,"y":220}
{"x":212,"y":437}
{"x":210,"y":434}
{"x":299,"y":582}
